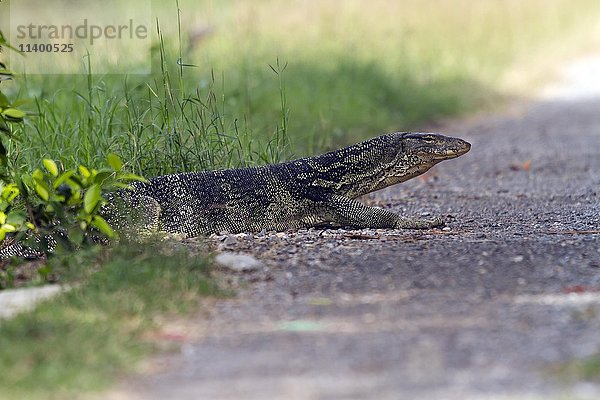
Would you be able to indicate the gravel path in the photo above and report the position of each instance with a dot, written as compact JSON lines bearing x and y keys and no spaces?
{"x":483,"y":310}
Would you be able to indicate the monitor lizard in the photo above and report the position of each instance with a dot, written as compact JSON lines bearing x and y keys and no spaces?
{"x":307,"y":192}
{"x":314,"y":191}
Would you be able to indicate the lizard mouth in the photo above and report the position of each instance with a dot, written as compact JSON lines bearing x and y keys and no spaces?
{"x":451,"y":154}
{"x":458,"y":151}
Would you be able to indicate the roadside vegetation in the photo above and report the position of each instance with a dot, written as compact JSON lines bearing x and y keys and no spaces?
{"x":257,"y":82}
{"x":105,"y":323}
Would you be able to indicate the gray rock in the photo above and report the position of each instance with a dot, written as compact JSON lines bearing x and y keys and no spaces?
{"x":14,"y":301}
{"x":238,"y":262}
{"x":230,"y":240}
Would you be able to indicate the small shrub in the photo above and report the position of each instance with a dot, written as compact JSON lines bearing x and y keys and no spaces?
{"x":51,"y":206}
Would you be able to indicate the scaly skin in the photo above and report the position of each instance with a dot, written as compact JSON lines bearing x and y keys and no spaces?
{"x":313,"y":191}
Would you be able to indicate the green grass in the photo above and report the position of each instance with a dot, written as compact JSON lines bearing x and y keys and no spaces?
{"x":81,"y":340}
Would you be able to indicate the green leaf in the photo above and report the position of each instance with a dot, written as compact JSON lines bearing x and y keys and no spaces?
{"x":13,"y":114}
{"x":9,"y":192}
{"x":20,"y":102}
{"x":102,"y":176}
{"x":51,"y":166}
{"x":100,"y":223}
{"x":75,"y":181}
{"x":119,"y":185}
{"x":114,"y":161}
{"x":131,"y":177}
{"x":9,"y":228}
{"x":16,"y":218}
{"x":4,"y":100}
{"x":75,"y":194}
{"x":62,"y":178}
{"x":27,"y":181}
{"x":91,"y":198}
{"x":38,"y":175}
{"x":42,"y":190}
{"x":84,"y":171}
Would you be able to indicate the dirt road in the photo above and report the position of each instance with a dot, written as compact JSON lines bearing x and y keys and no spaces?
{"x":484,"y":310}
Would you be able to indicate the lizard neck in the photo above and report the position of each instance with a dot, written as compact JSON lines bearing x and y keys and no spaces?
{"x":358,"y":169}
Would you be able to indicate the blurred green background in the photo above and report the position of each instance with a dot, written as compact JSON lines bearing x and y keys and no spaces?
{"x":271,"y":79}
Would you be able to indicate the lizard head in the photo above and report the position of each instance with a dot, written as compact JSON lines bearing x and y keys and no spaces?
{"x":432,"y":147}
{"x":383,"y":161}
{"x":415,"y":153}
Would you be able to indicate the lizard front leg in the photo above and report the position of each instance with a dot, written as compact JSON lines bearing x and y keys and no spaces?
{"x":345,"y":211}
{"x":149,"y":218}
